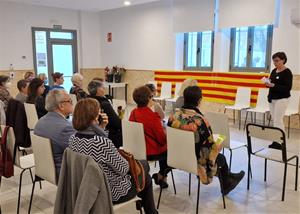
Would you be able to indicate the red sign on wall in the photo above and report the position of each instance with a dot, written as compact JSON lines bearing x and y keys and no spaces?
{"x":109,"y":37}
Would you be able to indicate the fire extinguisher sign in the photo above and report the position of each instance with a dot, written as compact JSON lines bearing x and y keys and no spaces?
{"x":109,"y":37}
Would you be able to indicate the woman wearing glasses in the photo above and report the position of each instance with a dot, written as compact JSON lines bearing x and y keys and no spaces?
{"x":280,"y":84}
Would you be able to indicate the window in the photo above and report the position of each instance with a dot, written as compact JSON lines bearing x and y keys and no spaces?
{"x":251,"y":48}
{"x":198,"y":50}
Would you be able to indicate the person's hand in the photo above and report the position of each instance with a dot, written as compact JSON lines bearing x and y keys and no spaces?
{"x":270,"y":85}
{"x":104,"y":120}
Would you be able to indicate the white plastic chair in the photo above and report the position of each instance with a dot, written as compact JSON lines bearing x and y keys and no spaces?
{"x":181,"y":155}
{"x":31,"y":114}
{"x":177,"y":88}
{"x":74,"y":99}
{"x":262,"y":106}
{"x":220,"y":125}
{"x":166,"y":91}
{"x":293,"y":108}
{"x":136,"y":200}
{"x":242,"y":101}
{"x":134,"y":139}
{"x":270,"y":134}
{"x":25,"y":162}
{"x":44,"y":162}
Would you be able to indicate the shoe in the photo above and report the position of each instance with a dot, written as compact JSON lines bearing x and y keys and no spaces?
{"x":163,"y":184}
{"x":155,"y":178}
{"x":275,"y":145}
{"x":233,"y":180}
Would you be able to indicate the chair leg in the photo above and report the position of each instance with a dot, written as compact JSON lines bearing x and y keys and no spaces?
{"x":198,"y":194}
{"x":20,"y":189}
{"x":154,"y":164}
{"x":40,"y":184}
{"x":233,"y":116}
{"x":240,"y":119}
{"x":265,"y":174}
{"x":190,"y":176}
{"x":251,"y":117}
{"x":284,"y":181}
{"x":289,"y":123}
{"x":255,"y":117}
{"x":248,"y":179}
{"x":224,"y":110}
{"x":138,"y":206}
{"x":173,"y":181}
{"x":158,"y":202}
{"x":296,"y":176}
{"x":230,"y":159}
{"x":246,"y":120}
{"x":31,"y":197}
{"x":269,"y":120}
{"x":222,"y":191}
{"x":31,"y":175}
{"x":264,"y":122}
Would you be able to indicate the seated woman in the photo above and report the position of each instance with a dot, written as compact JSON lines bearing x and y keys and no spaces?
{"x":156,"y":107}
{"x":4,"y":93}
{"x":156,"y":140}
{"x":77,"y":87}
{"x":186,"y":83}
{"x":58,"y":79}
{"x":90,"y":139}
{"x":44,"y":78}
{"x":114,"y":127}
{"x":190,"y":118}
{"x":35,"y":96}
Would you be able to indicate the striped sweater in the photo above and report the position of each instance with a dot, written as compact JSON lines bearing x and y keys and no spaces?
{"x":103,"y":151}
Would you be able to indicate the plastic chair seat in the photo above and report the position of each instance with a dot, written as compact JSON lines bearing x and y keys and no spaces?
{"x":171,"y":100}
{"x":258,"y":110}
{"x":236,"y":144}
{"x":273,"y":154}
{"x":27,"y":161}
{"x":118,"y":206}
{"x":289,"y":112}
{"x":237,"y":107}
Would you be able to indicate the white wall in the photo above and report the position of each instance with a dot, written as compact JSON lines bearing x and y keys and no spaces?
{"x":16,"y":39}
{"x":142,"y":36}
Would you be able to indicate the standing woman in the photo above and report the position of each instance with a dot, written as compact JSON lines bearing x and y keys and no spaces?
{"x":280,"y":85}
{"x":36,"y":89}
{"x":58,"y":79}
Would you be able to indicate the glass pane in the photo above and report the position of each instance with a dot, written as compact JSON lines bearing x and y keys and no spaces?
{"x":63,"y":62}
{"x":192,"y":50}
{"x":241,"y":49}
{"x":259,"y":49}
{"x":41,"y":52}
{"x":67,"y":83}
{"x":206,"y":49}
{"x":61,"y":35}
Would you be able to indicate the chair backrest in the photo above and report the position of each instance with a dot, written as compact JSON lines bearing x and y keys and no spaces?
{"x":134,"y":139}
{"x":220,"y":125}
{"x":243,"y":96}
{"x":31,"y":114}
{"x":262,"y":99}
{"x":177,"y":89}
{"x":294,"y":100}
{"x":166,"y":90}
{"x":43,"y":158}
{"x":116,"y":103}
{"x":181,"y":150}
{"x":265,"y":133}
{"x":74,"y":99}
{"x":11,"y":142}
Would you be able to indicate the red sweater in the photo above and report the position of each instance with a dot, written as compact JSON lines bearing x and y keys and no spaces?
{"x":156,"y":140}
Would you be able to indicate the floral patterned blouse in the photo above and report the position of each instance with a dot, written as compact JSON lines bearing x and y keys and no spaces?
{"x":191,"y":119}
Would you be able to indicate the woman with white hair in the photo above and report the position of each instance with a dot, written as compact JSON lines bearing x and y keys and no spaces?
{"x":77,"y":87}
{"x":186,"y":83}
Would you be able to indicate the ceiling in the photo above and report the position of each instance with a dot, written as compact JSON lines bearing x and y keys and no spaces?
{"x":88,"y":5}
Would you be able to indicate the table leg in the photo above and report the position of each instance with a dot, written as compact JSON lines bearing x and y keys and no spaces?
{"x":126,"y":93}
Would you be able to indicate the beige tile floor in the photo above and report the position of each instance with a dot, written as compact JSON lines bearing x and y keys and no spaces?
{"x":263,"y":197}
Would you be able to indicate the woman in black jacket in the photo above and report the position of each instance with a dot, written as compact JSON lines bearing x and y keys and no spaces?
{"x":35,"y":96}
{"x":97,"y":91}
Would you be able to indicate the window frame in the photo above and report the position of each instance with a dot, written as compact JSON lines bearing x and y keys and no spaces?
{"x":198,"y":66}
{"x":250,"y":39}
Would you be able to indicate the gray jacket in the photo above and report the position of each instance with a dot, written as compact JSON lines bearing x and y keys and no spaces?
{"x":58,"y":130}
{"x":82,"y":187}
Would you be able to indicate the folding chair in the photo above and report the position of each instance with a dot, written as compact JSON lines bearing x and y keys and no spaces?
{"x":270,"y":134}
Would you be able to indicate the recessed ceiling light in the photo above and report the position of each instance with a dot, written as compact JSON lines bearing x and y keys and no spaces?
{"x":127,"y":3}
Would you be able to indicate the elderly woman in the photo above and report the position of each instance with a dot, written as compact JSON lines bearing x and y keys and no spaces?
{"x":58,"y":79}
{"x":190,"y":118}
{"x":156,"y":140}
{"x":186,"y":83}
{"x":77,"y":87}
{"x":156,"y":107}
{"x":97,"y":91}
{"x":4,"y":93}
{"x":90,"y":139}
{"x":36,"y":90}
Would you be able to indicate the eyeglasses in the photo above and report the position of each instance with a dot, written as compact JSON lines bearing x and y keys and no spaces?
{"x":67,"y":101}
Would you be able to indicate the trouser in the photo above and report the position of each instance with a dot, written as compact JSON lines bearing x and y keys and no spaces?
{"x":146,"y":195}
{"x":223,"y":171}
{"x":277,"y":109}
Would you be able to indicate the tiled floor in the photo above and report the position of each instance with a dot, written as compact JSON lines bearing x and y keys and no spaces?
{"x":263,"y":197}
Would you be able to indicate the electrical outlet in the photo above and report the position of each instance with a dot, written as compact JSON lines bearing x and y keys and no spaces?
{"x":12,"y":75}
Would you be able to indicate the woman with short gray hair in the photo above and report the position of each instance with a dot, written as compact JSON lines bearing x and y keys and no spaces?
{"x":97,"y":91}
{"x":77,"y":80}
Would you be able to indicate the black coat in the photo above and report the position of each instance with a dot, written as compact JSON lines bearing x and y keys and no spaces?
{"x":16,"y":118}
